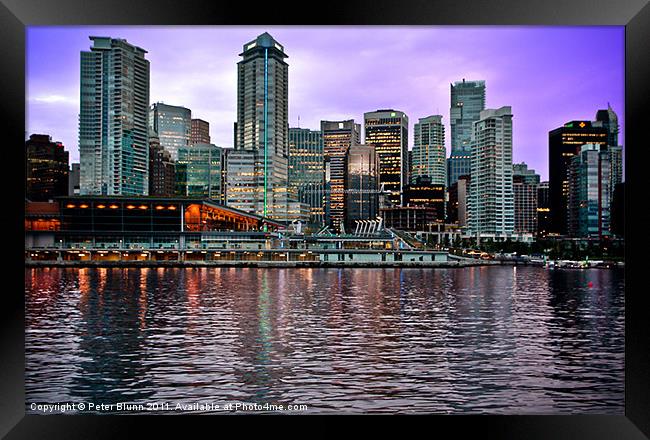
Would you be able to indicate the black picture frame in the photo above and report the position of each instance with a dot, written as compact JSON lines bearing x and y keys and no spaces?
{"x":15,"y":15}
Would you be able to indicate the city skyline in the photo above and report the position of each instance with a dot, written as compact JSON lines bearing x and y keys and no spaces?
{"x":194,"y":67}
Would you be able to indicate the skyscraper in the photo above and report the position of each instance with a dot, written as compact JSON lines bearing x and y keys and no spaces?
{"x":387,"y":131}
{"x":307,"y":171}
{"x":429,"y":152}
{"x":338,"y":137}
{"x":491,"y":207}
{"x":467,"y":102}
{"x":200,"y":133}
{"x":564,"y":143}
{"x":172,"y":125}
{"x":525,"y":184}
{"x":543,"y":209}
{"x":73,"y":180}
{"x":113,"y":119}
{"x":361,"y":184}
{"x":589,"y":193}
{"x":259,"y":165}
{"x":46,"y":168}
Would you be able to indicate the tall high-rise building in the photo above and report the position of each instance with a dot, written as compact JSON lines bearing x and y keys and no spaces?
{"x":113,"y":119}
{"x":429,"y":152}
{"x":491,"y":207}
{"x":199,"y":172}
{"x":458,"y":201}
{"x":387,"y":131}
{"x":200,"y":132}
{"x":564,"y":143}
{"x":162,"y":169}
{"x":338,"y":137}
{"x":307,"y":171}
{"x":589,"y":193}
{"x":525,"y":186}
{"x":172,"y":124}
{"x":467,"y":102}
{"x":258,"y":168}
{"x":46,"y":168}
{"x":361,"y":185}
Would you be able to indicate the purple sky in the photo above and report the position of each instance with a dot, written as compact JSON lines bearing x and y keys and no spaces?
{"x":549,"y":75}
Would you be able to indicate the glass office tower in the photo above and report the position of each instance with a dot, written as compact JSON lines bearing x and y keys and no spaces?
{"x":361,"y":185}
{"x":467,"y":102}
{"x":258,"y":171}
{"x":173,"y":125}
{"x":307,"y":171}
{"x":199,"y":172}
{"x":563,"y":144}
{"x":338,"y":137}
{"x":113,"y":119}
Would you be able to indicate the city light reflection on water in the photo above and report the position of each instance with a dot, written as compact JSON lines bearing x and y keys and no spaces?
{"x":471,"y":340}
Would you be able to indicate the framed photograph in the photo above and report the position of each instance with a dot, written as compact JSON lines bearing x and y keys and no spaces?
{"x":378,"y":209}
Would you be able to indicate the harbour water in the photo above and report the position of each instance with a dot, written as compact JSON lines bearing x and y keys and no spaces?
{"x":497,"y":339}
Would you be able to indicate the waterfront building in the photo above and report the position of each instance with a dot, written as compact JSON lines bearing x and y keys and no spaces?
{"x":525,"y":183}
{"x":113,"y":119}
{"x":46,"y":168}
{"x":73,"y":180}
{"x":424,"y":193}
{"x":543,"y":209}
{"x":200,"y":132}
{"x":387,"y":131}
{"x":338,"y":137}
{"x":429,"y":153}
{"x":172,"y":125}
{"x":589,"y":193}
{"x":467,"y":102}
{"x":199,"y":172}
{"x":361,"y":185}
{"x":307,"y":171}
{"x":261,"y":131}
{"x":563,"y":144}
{"x":491,"y":199}
{"x":162,"y":169}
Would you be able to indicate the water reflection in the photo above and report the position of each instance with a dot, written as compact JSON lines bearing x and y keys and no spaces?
{"x":483,"y":339}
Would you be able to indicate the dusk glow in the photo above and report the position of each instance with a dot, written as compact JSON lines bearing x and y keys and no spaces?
{"x":548,"y":75}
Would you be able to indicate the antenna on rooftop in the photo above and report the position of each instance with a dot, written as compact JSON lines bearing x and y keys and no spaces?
{"x":298,"y":121}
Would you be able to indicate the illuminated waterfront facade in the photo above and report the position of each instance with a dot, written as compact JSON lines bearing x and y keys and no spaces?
{"x":387,"y":131}
{"x":199,"y":172}
{"x":589,"y":193}
{"x":307,"y":171}
{"x":491,"y":207}
{"x":361,"y":185}
{"x":563,"y":144}
{"x":338,"y":137}
{"x":172,"y":125}
{"x":46,"y":168}
{"x":429,"y":153}
{"x":261,"y":133}
{"x":113,"y":119}
{"x":467,"y":102}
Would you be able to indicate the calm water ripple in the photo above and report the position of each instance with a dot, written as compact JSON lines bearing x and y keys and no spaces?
{"x":461,"y":340}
